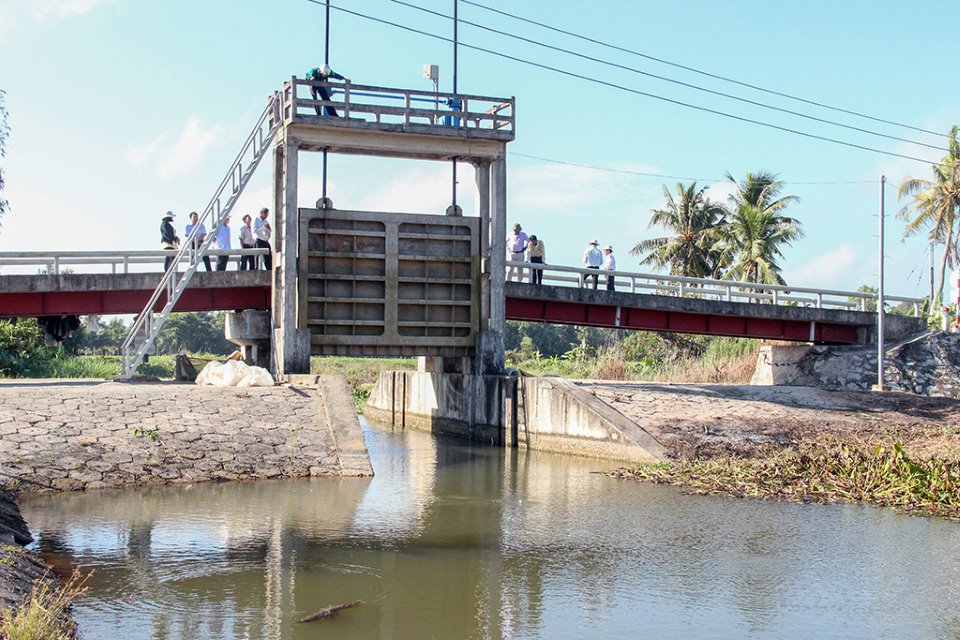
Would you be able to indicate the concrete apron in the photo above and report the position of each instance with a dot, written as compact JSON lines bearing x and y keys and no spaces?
{"x":544,"y":414}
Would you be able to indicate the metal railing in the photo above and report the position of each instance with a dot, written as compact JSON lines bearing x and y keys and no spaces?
{"x":726,"y":290}
{"x":386,"y":105}
{"x":173,"y":283}
{"x":114,"y":262}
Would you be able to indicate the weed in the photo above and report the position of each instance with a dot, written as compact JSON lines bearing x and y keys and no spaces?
{"x":140,"y":432}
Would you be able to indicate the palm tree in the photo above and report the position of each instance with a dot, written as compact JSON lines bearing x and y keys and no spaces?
{"x":935,"y":205}
{"x":693,"y":220}
{"x":752,"y":239}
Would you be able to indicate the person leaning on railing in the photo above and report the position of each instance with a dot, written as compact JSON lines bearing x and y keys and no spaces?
{"x":536,"y":253}
{"x":323,"y":74}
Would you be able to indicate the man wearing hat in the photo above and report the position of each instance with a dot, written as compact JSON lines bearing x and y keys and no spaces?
{"x":168,"y":237}
{"x":516,"y":247}
{"x":609,"y":264}
{"x":592,"y":259}
{"x":536,"y":253}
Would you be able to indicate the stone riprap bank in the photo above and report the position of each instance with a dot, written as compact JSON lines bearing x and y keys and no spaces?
{"x":71,"y":435}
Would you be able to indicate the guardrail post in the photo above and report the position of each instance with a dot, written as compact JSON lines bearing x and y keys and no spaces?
{"x":633,"y":284}
{"x":346,"y":99}
{"x":406,"y":107}
{"x":819,"y":301}
{"x":729,"y":293}
{"x":680,"y":289}
{"x":776,"y":297}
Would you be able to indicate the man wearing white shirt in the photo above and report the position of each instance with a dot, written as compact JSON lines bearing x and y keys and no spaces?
{"x":263,"y":232}
{"x":222,"y":242}
{"x":592,"y":259}
{"x":609,"y":264}
{"x":198,"y":239}
{"x":516,"y":247}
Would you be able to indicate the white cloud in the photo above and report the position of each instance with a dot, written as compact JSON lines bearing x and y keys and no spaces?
{"x":13,"y":13}
{"x":180,"y":158}
{"x":826,"y":270}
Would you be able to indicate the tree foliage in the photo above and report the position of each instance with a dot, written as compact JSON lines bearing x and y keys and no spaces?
{"x":934,"y":206}
{"x":200,"y":332}
{"x":22,"y":350}
{"x":752,"y":240}
{"x":693,"y":221}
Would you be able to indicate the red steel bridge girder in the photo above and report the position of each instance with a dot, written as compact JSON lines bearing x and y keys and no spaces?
{"x":593,"y":315}
{"x":54,"y":303}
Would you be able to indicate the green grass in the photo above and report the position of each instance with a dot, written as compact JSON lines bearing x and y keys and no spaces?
{"x":46,"y":615}
{"x":361,"y":373}
{"x":824,"y":472}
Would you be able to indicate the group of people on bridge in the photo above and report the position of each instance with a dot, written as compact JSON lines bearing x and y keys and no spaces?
{"x":524,"y":248}
{"x":254,"y":234}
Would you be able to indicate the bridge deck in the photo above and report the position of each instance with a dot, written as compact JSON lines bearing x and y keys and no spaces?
{"x":82,"y":294}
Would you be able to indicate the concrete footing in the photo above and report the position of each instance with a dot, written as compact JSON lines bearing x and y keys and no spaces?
{"x":545,"y":414}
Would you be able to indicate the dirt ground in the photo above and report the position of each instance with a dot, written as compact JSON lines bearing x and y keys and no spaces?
{"x":704,"y":420}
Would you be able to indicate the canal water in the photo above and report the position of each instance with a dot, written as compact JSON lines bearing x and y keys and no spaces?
{"x":455,"y":541}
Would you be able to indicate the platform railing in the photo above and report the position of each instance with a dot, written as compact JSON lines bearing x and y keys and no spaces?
{"x":726,"y":290}
{"x":388,"y":105}
{"x":114,"y":262}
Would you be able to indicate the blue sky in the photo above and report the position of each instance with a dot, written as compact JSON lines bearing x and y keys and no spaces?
{"x":123,"y":109}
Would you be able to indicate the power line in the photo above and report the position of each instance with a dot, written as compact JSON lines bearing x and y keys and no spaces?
{"x":670,"y":177}
{"x":671,"y":80}
{"x":704,"y":73}
{"x":628,"y":89}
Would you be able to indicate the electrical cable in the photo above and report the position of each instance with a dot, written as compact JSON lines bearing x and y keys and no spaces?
{"x":631,"y":90}
{"x":672,"y":80}
{"x":669,"y":177}
{"x":705,"y":73}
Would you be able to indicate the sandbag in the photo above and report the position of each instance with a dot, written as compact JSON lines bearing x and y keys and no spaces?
{"x":234,"y":373}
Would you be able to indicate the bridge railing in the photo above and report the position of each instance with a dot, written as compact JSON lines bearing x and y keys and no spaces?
{"x":113,"y":262}
{"x":727,"y":290}
{"x":387,"y":105}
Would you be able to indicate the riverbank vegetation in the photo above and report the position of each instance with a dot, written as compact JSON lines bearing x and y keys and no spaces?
{"x":46,"y":615}
{"x":830,"y":469}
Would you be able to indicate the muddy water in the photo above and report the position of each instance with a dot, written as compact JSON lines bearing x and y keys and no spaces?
{"x":453,"y":541}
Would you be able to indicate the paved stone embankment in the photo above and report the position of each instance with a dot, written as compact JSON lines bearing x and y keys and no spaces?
{"x":71,"y":435}
{"x":705,"y":419}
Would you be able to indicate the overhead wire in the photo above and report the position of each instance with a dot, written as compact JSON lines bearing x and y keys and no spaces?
{"x":671,"y":80}
{"x":629,"y":89}
{"x":704,"y":73}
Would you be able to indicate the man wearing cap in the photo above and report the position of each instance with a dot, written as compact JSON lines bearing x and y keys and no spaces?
{"x":323,"y":74}
{"x":221,"y":242}
{"x":263,"y":232}
{"x":516,"y":246}
{"x":536,"y":253}
{"x":592,"y":259}
{"x":168,"y":237}
{"x":609,"y":264}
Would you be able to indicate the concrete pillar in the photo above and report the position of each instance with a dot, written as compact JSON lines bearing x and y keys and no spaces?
{"x":291,"y":343}
{"x":498,"y":235}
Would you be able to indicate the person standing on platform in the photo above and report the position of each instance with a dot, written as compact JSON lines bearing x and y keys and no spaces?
{"x":263,"y":232}
{"x":592,"y":259}
{"x":516,"y":246}
{"x":221,"y":242}
{"x":198,"y":239}
{"x":323,"y":74}
{"x":247,"y":242}
{"x":609,"y":264}
{"x":168,"y":237}
{"x":536,"y":254}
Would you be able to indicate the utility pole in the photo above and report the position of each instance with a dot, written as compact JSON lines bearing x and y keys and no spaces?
{"x":880,"y":351}
{"x":932,"y":246}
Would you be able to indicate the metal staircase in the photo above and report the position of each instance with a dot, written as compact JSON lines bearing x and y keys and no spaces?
{"x":173,"y":283}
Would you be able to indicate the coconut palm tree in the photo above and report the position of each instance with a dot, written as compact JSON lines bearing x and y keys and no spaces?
{"x":693,"y":221}
{"x":935,"y":204}
{"x":756,"y":230}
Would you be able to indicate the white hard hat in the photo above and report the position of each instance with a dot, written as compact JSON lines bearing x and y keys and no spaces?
{"x":326,"y":70}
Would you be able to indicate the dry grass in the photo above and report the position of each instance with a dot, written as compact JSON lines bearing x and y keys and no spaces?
{"x":734,"y":370}
{"x":46,"y":615}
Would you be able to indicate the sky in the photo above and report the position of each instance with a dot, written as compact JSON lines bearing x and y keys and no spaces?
{"x":123,"y":109}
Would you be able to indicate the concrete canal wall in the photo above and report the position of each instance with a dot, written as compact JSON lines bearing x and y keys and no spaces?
{"x":70,"y":435}
{"x":545,"y":414}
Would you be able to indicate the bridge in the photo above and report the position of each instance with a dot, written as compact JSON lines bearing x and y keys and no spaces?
{"x":122,"y":282}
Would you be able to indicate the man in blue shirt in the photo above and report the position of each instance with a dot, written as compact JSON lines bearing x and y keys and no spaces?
{"x":222,"y":242}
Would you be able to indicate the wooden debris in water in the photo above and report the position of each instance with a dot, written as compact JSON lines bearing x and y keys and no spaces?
{"x":329,"y":611}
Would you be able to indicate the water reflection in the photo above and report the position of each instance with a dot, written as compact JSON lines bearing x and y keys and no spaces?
{"x":454,"y":541}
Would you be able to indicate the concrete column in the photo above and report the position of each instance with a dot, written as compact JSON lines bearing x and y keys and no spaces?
{"x":498,"y":234}
{"x":291,"y":343}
